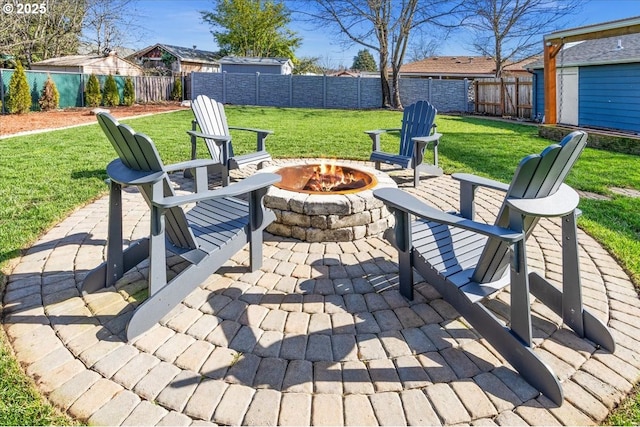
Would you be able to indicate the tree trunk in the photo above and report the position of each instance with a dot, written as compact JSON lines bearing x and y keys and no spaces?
{"x":384,"y":79}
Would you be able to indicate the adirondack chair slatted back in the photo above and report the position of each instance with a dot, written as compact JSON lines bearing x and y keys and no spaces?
{"x":537,"y":176}
{"x":417,"y":120}
{"x":212,"y":120}
{"x":137,"y":152}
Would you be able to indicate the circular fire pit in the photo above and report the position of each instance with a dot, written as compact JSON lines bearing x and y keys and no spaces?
{"x":315,"y":202}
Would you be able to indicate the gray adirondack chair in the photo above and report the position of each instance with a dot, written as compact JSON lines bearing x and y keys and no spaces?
{"x":467,"y":261}
{"x":206,"y":236}
{"x":212,"y":121}
{"x":418,"y":131}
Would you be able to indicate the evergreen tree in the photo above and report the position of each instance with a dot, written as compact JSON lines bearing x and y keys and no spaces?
{"x":93,"y":93}
{"x":129,"y":93}
{"x":176,"y":91}
{"x":364,"y":61}
{"x":110,"y":97}
{"x":19,"y":100}
{"x":50,"y":98}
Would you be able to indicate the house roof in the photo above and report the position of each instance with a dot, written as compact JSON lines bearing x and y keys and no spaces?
{"x":249,"y":60}
{"x":459,"y":66}
{"x":77,"y":60}
{"x":610,"y":50}
{"x":184,"y":54}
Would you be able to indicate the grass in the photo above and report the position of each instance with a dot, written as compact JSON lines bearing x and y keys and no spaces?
{"x":43,"y":177}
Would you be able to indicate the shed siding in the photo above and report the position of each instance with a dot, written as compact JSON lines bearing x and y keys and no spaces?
{"x":609,"y":96}
{"x":538,"y":95}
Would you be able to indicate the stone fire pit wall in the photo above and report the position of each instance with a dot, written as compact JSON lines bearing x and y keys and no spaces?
{"x":329,"y":217}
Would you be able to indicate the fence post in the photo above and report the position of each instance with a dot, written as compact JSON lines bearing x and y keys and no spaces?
{"x":224,"y":87}
{"x":324,"y":91}
{"x":290,"y":90}
{"x":359,"y":90}
{"x":2,"y":103}
{"x":429,"y":90}
{"x":257,"y":87}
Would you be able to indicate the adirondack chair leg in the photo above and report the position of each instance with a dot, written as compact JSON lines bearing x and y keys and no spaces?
{"x":118,"y":260}
{"x":166,"y":298}
{"x":568,"y":302}
{"x":467,"y":200}
{"x":511,"y":347}
{"x":157,"y":252}
{"x":115,"y":257}
{"x":401,"y":240}
{"x":194,"y":154}
{"x":520,"y":300}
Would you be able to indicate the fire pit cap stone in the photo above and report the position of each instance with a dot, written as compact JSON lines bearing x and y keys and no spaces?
{"x":327,"y":204}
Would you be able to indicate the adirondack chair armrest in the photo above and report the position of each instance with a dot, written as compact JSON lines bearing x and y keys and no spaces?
{"x":375,"y":136}
{"x":219,"y":139}
{"x":468,"y":186}
{"x":198,"y":163}
{"x":405,"y":202}
{"x":478,"y":181}
{"x":435,"y":137}
{"x":561,"y":203}
{"x":247,"y":185}
{"x":261,"y":135}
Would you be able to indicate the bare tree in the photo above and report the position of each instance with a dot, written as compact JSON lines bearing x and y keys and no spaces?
{"x":383,"y":26}
{"x":51,"y":29}
{"x":423,"y":48}
{"x":111,"y":23}
{"x":512,"y":30}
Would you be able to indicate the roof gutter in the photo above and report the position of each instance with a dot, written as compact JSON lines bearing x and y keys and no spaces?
{"x":596,"y":31}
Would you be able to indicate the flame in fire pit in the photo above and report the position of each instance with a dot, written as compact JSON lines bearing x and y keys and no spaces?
{"x":324,"y":178}
{"x":332,"y":178}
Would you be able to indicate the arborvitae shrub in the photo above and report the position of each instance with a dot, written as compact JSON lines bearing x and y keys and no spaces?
{"x":50,"y":98}
{"x":19,"y":99}
{"x":176,"y":91}
{"x":128,"y":93}
{"x":93,"y":94}
{"x":110,"y":95}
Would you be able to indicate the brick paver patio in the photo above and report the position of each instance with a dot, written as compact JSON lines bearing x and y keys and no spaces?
{"x":318,"y":336}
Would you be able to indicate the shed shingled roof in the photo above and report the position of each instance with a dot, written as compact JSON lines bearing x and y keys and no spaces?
{"x":597,"y":52}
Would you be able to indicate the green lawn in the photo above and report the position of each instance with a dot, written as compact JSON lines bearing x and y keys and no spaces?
{"x":44,"y":177}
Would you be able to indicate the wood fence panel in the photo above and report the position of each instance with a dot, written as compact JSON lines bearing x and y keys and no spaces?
{"x":153,"y":88}
{"x":507,"y":96}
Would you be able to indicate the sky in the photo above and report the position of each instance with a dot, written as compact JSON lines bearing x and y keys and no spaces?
{"x":178,"y":22}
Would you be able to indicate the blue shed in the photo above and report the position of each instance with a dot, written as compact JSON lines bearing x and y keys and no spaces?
{"x":598,"y":84}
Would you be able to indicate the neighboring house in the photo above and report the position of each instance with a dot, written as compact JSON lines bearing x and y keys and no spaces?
{"x":177,"y":59}
{"x":597,"y":84}
{"x":89,"y":64}
{"x":459,"y":67}
{"x":245,"y":64}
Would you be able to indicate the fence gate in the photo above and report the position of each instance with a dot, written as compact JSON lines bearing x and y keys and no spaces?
{"x":505,"y":97}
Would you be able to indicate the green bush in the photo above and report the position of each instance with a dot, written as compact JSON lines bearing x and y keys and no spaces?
{"x":129,"y":93}
{"x":110,"y":95}
{"x":19,"y":99}
{"x":176,"y":91}
{"x":50,"y":98}
{"x":93,"y":94}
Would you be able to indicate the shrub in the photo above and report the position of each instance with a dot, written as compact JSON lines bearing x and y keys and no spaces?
{"x":19,"y":99}
{"x":50,"y":98}
{"x":110,"y":96}
{"x":129,"y":93}
{"x":93,"y":94}
{"x":176,"y":91}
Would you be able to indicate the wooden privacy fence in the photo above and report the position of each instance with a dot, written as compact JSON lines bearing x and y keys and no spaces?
{"x":152,"y":88}
{"x":505,"y":96}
